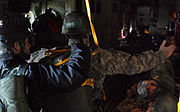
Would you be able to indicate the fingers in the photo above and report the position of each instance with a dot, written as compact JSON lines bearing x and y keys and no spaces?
{"x":163,"y":43}
{"x":172,"y":42}
{"x":172,"y":47}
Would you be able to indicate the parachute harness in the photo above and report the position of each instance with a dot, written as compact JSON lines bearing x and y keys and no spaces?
{"x":90,"y":81}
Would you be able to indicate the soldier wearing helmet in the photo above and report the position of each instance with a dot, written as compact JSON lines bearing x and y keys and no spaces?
{"x":158,"y":91}
{"x":111,"y":62}
{"x":79,"y":99}
{"x":24,"y":87}
{"x":76,"y":24}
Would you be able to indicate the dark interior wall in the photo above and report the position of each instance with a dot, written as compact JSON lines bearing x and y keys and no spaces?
{"x":79,"y":5}
{"x":165,"y":6}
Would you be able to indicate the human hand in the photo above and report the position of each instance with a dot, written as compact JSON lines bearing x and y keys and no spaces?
{"x":168,"y":51}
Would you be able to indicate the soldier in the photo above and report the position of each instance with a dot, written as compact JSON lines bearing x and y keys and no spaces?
{"x":112,"y":62}
{"x":158,"y":93}
{"x":41,"y":80}
{"x":79,"y":99}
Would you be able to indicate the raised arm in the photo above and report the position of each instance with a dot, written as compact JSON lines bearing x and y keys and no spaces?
{"x":111,"y":62}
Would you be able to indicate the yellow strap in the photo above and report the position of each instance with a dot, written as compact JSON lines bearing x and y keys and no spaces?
{"x":147,"y":32}
{"x":155,"y":77}
{"x":94,"y":52}
{"x":88,"y":82}
{"x":61,"y":62}
{"x":49,"y":52}
{"x":178,"y":105}
{"x":92,"y":26}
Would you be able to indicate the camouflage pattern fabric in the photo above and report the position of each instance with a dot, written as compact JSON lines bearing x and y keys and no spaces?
{"x":137,"y":103}
{"x":155,"y":95}
{"x":111,"y":62}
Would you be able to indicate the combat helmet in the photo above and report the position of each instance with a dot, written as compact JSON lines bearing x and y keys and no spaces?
{"x":76,"y":24}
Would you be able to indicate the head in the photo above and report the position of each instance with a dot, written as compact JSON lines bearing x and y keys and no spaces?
{"x":47,"y":29}
{"x":76,"y":24}
{"x":22,"y":47}
{"x":50,"y":22}
{"x":15,"y":39}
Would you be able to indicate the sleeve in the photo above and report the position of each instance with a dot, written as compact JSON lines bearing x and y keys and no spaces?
{"x":111,"y":62}
{"x":61,"y":78}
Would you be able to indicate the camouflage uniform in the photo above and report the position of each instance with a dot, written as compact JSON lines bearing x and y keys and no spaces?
{"x":117,"y":62}
{"x":158,"y":94}
{"x":112,"y":62}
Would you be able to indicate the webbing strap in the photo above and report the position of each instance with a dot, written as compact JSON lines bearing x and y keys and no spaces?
{"x":88,"y":82}
{"x":94,"y":37}
{"x":91,"y":24}
{"x":62,"y":62}
{"x":49,"y":52}
{"x":178,"y":104}
{"x":67,"y":59}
